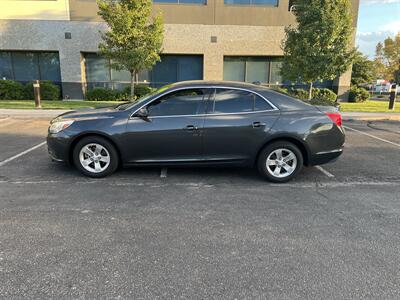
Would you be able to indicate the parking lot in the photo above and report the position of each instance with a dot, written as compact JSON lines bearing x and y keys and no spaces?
{"x":198,"y":233}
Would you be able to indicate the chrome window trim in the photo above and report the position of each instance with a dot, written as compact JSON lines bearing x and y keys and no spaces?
{"x":274,"y":108}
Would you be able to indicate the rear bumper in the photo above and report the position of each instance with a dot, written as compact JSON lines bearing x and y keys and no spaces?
{"x":325,"y":157}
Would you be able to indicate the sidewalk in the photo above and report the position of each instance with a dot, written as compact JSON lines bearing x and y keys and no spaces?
{"x":31,"y":113}
{"x":51,"y":113}
{"x":367,"y":116}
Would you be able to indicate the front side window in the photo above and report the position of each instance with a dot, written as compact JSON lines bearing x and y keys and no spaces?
{"x":253,"y":2}
{"x":178,"y":103}
{"x":237,"y":101}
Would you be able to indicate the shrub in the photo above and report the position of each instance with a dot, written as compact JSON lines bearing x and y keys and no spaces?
{"x":140,"y":90}
{"x":48,"y":91}
{"x":358,"y":94}
{"x":11,"y":90}
{"x":101,"y":94}
{"x":299,"y":93}
{"x":323,"y":97}
{"x":280,"y":90}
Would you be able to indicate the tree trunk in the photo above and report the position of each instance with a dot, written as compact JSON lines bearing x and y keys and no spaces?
{"x":310,"y":91}
{"x":132,"y":95}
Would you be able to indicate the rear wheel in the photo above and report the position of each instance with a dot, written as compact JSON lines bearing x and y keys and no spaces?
{"x":95,"y":157}
{"x":280,"y":161}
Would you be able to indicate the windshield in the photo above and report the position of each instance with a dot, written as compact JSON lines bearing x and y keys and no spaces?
{"x":128,"y":105}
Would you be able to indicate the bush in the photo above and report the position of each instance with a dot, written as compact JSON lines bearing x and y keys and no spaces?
{"x":101,"y":94}
{"x":104,"y":94}
{"x":140,"y":90}
{"x":11,"y":90}
{"x":323,"y":97}
{"x":299,"y":93}
{"x":280,"y":90}
{"x":48,"y":91}
{"x":358,"y":94}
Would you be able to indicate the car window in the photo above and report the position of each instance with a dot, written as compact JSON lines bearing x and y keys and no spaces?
{"x":182,"y":102}
{"x":237,"y":101}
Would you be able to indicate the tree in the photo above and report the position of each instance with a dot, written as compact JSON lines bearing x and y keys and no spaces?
{"x":363,"y":70}
{"x":379,"y":62}
{"x":134,"y":39}
{"x":387,"y":58}
{"x":318,"y":47}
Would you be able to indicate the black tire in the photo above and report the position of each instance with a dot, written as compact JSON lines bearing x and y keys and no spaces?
{"x":112,"y":153}
{"x":266,"y":152}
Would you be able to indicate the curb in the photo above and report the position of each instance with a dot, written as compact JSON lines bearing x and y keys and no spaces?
{"x":31,"y":114}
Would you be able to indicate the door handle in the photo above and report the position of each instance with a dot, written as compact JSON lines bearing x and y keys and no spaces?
{"x":190,"y":127}
{"x":258,"y":124}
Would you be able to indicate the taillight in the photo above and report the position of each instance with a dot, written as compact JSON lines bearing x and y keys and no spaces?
{"x":336,"y":118}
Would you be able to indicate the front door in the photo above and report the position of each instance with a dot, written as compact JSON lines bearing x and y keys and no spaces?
{"x":173,"y":130}
{"x":236,"y":125}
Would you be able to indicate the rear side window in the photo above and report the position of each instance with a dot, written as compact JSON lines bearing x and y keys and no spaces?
{"x":237,"y":101}
{"x":182,"y":102}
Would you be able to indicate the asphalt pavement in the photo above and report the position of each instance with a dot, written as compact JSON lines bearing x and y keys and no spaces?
{"x":200,"y":233}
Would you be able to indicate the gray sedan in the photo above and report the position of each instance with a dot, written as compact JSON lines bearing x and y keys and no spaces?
{"x":200,"y":123}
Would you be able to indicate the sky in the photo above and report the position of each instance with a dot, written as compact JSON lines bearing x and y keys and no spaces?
{"x":377,"y":20}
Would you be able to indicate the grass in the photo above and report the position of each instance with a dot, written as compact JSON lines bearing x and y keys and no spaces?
{"x":30,"y":104}
{"x":368,"y":106}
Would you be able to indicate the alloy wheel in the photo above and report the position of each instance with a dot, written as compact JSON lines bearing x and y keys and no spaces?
{"x":94,"y":158}
{"x":281,"y":163}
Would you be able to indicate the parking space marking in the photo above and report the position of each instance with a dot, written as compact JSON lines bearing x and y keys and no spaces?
{"x":372,"y":136}
{"x":325,"y":172}
{"x":164,"y":173}
{"x":2,"y":163}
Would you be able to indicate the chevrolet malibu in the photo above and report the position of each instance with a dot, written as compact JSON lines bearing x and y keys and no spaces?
{"x":200,"y":123}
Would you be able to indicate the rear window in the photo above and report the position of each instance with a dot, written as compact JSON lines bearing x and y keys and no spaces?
{"x":284,"y":102}
{"x":237,"y":101}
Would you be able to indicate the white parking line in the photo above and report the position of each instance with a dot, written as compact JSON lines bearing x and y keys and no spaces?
{"x":372,"y":136}
{"x":325,"y":172}
{"x":164,"y":172}
{"x":2,"y":163}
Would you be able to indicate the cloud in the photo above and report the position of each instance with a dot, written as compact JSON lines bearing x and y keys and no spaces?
{"x":369,"y":2}
{"x":366,"y":41}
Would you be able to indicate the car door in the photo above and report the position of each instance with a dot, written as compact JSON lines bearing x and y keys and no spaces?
{"x":172,"y":131}
{"x":236,"y":125}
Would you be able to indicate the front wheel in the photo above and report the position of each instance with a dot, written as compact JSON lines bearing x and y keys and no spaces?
{"x":280,"y":161}
{"x":95,"y":157}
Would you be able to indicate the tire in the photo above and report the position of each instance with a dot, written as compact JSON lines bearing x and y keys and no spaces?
{"x":287,"y":169}
{"x":95,"y":157}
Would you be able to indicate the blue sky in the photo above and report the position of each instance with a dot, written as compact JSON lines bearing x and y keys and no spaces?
{"x":377,"y":20}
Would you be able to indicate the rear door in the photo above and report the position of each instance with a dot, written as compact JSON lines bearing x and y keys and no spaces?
{"x":173,"y":130}
{"x":236,"y":125}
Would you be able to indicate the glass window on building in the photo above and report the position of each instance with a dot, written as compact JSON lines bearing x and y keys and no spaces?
{"x":253,"y":2}
{"x":6,"y":66}
{"x":247,"y":69}
{"x":171,"y":68}
{"x":26,"y":66}
{"x":276,"y":78}
{"x":181,"y":1}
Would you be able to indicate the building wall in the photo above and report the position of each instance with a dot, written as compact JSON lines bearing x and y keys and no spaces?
{"x":239,"y":31}
{"x":34,"y":9}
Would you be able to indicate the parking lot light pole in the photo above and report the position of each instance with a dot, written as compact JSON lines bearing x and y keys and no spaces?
{"x":36,"y":92}
{"x":392,"y":98}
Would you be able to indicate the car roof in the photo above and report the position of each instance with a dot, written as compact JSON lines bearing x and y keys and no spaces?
{"x":236,"y":84}
{"x":283,"y":102}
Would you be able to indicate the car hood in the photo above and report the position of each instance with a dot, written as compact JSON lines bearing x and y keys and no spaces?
{"x":86,"y":114}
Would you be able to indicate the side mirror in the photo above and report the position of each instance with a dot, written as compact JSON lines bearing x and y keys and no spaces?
{"x":142,"y":113}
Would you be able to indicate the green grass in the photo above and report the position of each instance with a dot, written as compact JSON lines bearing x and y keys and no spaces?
{"x":30,"y":104}
{"x":368,"y":106}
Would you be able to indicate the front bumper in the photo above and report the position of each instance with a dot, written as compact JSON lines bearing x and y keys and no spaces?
{"x":58,"y":146}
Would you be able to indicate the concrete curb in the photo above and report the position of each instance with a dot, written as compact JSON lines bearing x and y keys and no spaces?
{"x":370,"y":116}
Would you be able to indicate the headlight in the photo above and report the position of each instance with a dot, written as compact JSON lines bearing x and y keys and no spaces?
{"x":58,"y":126}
